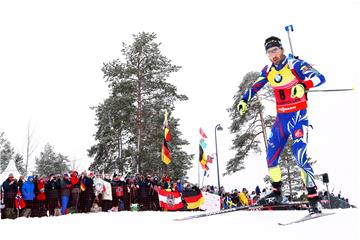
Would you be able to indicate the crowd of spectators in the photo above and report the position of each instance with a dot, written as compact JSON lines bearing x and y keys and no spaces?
{"x":83,"y":193}
{"x":86,"y":192}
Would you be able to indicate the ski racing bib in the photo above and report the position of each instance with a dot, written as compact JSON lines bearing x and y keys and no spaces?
{"x":282,"y":81}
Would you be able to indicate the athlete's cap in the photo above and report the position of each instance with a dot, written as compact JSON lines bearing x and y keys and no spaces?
{"x":272,"y":42}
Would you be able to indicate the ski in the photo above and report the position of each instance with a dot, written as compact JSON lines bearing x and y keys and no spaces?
{"x":306,"y":218}
{"x":285,"y":206}
{"x":207,"y":214}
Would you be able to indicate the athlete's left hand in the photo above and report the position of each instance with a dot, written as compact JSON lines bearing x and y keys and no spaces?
{"x":298,"y":91}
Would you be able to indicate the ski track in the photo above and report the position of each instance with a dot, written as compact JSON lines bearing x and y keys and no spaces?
{"x":158,"y":225}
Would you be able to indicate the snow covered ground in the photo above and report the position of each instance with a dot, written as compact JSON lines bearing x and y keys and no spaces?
{"x":161,"y":225}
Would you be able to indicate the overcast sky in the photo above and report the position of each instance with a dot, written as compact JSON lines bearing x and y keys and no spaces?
{"x":51,"y":54}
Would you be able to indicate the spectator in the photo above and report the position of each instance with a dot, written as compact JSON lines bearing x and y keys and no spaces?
{"x":40,"y":198}
{"x":52,"y":188}
{"x":179,"y":185}
{"x":106,"y":195}
{"x":142,"y":193}
{"x":87,"y":193}
{"x":10,"y":189}
{"x":65,"y":193}
{"x":28,"y":192}
{"x":257,"y":191}
{"x":153,"y":194}
{"x":117,"y":191}
{"x":75,"y":191}
{"x":235,"y":198}
{"x":126,"y":198}
{"x":243,"y":197}
{"x":21,"y":181}
{"x":166,"y":182}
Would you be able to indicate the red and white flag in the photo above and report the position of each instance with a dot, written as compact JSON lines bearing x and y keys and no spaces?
{"x":19,"y":201}
{"x":170,"y":201}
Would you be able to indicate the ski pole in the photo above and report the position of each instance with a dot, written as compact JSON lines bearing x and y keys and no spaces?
{"x":332,"y":90}
{"x":288,"y":29}
{"x":291,"y":55}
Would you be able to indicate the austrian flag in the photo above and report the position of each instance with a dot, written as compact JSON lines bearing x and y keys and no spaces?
{"x":170,"y":201}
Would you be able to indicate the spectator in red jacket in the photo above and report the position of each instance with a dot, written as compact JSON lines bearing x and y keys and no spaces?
{"x":75,"y":191}
{"x":41,"y":197}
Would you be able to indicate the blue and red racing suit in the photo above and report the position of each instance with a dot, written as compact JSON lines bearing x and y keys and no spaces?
{"x":291,"y":116}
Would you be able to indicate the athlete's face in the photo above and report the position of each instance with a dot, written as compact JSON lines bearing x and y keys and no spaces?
{"x":275,"y":54}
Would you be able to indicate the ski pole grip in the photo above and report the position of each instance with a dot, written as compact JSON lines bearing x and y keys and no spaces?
{"x":289,"y":28}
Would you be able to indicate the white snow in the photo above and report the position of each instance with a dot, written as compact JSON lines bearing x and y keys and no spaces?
{"x":161,"y":225}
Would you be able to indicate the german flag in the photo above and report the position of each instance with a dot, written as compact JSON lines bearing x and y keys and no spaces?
{"x":193,"y":198}
{"x":165,"y":153}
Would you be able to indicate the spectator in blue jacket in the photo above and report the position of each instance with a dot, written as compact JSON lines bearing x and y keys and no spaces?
{"x":28,"y":194}
{"x":27,"y":189}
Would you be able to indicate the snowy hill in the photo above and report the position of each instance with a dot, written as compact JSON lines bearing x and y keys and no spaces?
{"x":161,"y":225}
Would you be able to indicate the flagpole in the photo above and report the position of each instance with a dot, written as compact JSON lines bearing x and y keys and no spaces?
{"x":202,"y":184}
{"x":198,"y":173}
{"x":219,"y":128}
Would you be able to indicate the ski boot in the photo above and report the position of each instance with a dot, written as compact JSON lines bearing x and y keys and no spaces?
{"x":273,"y":198}
{"x":314,"y":201}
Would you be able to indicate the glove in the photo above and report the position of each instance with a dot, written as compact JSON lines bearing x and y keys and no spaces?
{"x":297,"y":91}
{"x":241,"y":107}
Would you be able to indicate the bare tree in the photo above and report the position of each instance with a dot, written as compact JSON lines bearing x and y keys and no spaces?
{"x":30,"y":145}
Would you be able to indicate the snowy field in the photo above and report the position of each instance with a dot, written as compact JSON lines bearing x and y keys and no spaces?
{"x":161,"y":225}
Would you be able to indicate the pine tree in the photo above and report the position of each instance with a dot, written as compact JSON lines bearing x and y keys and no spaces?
{"x":2,"y":141}
{"x":129,"y":122}
{"x":50,"y":162}
{"x":6,"y":153}
{"x":19,"y":162}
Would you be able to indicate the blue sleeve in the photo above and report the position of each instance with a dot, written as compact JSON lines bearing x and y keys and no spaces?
{"x":310,"y":76}
{"x":258,"y":84}
{"x":24,"y":189}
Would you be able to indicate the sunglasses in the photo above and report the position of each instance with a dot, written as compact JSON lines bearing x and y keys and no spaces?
{"x":273,"y":51}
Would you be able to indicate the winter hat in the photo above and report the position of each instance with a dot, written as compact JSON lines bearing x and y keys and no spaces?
{"x":272,"y":42}
{"x":66,"y":175}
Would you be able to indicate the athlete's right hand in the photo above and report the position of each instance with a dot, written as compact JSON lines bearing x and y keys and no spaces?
{"x":242,"y":107}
